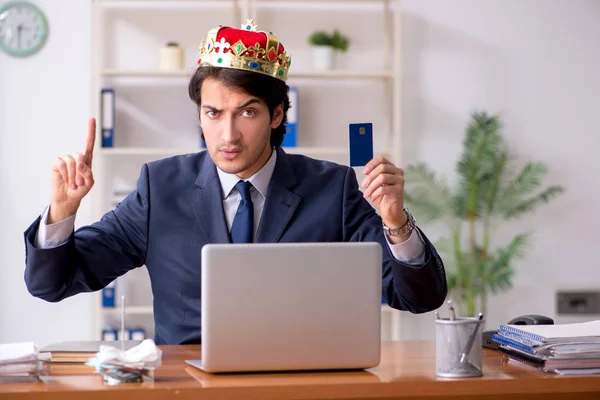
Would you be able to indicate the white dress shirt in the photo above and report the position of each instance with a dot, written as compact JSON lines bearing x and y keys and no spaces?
{"x":411,"y":251}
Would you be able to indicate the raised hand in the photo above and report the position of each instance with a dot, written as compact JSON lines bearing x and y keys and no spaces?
{"x":384,"y":186}
{"x":72,"y":179}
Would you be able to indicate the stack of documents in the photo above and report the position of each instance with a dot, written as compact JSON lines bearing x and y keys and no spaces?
{"x":562,"y":349}
{"x":19,"y":362}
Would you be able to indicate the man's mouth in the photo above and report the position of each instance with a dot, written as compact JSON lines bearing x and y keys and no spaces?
{"x":230,"y":154}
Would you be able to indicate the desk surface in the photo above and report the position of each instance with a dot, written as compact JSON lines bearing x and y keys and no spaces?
{"x":407,"y":370}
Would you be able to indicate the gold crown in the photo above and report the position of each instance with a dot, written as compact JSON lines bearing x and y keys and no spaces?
{"x":252,"y":50}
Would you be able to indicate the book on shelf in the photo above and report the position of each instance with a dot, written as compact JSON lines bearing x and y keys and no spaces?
{"x":291,"y":127}
{"x":107,"y":112}
{"x":108,"y":295}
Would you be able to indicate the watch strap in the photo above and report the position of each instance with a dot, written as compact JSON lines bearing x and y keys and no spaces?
{"x":403,"y":230}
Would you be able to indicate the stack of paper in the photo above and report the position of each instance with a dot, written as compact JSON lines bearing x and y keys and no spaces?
{"x":563,"y":348}
{"x":19,"y":362}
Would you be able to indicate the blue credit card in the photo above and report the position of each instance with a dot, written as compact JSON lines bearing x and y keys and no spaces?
{"x":361,"y":144}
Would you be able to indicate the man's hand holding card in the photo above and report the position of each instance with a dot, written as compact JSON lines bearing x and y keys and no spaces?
{"x":383,"y":183}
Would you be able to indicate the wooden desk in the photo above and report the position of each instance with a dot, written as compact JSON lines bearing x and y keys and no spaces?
{"x":407,"y":371}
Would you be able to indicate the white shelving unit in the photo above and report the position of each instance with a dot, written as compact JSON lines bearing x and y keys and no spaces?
{"x":155,"y":119}
{"x":384,"y":75}
{"x":136,"y":310}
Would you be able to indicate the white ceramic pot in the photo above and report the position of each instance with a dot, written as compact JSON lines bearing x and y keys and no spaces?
{"x":171,"y":58}
{"x":323,"y":57}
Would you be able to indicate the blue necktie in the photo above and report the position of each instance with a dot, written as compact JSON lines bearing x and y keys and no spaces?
{"x":243,"y":224}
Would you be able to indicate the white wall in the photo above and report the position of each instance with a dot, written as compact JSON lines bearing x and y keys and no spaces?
{"x":536,"y":63}
{"x":533,"y":61}
{"x":44,"y":106}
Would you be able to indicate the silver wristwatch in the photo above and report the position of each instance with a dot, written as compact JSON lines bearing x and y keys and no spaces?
{"x":404,"y":230}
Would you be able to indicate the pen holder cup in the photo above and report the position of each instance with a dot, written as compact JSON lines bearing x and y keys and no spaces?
{"x":458,"y":352}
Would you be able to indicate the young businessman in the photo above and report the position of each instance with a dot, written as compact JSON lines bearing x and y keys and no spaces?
{"x":243,"y":188}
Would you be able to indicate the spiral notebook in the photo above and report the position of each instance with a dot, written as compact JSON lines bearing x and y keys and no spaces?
{"x":543,"y":334}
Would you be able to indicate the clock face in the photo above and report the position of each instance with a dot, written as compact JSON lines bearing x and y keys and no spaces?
{"x":23,"y":28}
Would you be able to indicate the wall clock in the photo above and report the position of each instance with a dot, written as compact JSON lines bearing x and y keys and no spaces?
{"x":23,"y":28}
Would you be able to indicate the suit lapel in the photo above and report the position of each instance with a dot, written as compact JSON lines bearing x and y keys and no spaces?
{"x":280,"y":204}
{"x":207,"y":203}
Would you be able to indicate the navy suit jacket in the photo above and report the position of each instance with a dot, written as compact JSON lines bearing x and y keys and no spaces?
{"x":177,"y":208}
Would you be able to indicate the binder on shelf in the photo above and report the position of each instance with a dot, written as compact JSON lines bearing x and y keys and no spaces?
{"x":137,"y":333}
{"x":107,"y":121}
{"x":109,"y":334}
{"x":291,"y":127}
{"x":112,"y":334}
{"x":124,"y":335}
{"x":108,"y":295}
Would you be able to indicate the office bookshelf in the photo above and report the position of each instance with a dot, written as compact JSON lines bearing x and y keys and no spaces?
{"x":155,"y":119}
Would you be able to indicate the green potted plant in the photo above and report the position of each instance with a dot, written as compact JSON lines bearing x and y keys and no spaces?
{"x":489,"y":191}
{"x":325,"y":45}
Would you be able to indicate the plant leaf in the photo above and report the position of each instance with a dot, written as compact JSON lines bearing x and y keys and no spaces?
{"x":427,"y":196}
{"x":530,"y":204}
{"x":477,"y":163}
{"x":492,"y":187}
{"x":500,"y":272}
{"x":526,"y":182}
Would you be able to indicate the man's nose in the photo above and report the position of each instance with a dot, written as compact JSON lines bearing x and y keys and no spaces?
{"x":230,"y":133}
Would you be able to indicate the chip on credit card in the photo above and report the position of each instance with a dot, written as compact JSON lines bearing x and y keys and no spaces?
{"x":361,"y":144}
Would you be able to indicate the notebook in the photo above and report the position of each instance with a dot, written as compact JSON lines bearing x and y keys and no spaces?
{"x":562,"y":348}
{"x":551,"y":333}
{"x":80,"y":352}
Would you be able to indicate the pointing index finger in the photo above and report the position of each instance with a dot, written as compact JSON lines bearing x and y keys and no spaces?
{"x":90,"y":141}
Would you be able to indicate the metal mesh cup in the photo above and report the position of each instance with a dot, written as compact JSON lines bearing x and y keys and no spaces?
{"x":458,"y":352}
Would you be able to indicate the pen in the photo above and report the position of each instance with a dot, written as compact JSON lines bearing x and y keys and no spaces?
{"x":467,"y":350}
{"x":453,"y":332}
{"x":451,"y":311}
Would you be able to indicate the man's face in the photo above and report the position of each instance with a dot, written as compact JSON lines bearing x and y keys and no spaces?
{"x":237,"y":128}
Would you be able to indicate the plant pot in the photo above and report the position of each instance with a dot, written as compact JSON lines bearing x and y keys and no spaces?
{"x":323,"y":57}
{"x":171,"y":58}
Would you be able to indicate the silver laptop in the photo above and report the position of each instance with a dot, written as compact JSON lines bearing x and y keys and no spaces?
{"x":290,"y":306}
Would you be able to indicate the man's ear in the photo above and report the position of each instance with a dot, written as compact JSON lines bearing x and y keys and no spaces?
{"x":277,"y":116}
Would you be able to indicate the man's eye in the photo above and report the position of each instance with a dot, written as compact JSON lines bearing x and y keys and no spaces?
{"x":212,"y":114}
{"x":249,"y":113}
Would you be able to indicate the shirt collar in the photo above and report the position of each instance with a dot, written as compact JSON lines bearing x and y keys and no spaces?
{"x":260,"y":180}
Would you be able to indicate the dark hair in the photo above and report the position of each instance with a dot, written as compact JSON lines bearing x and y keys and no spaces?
{"x":269,"y":89}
